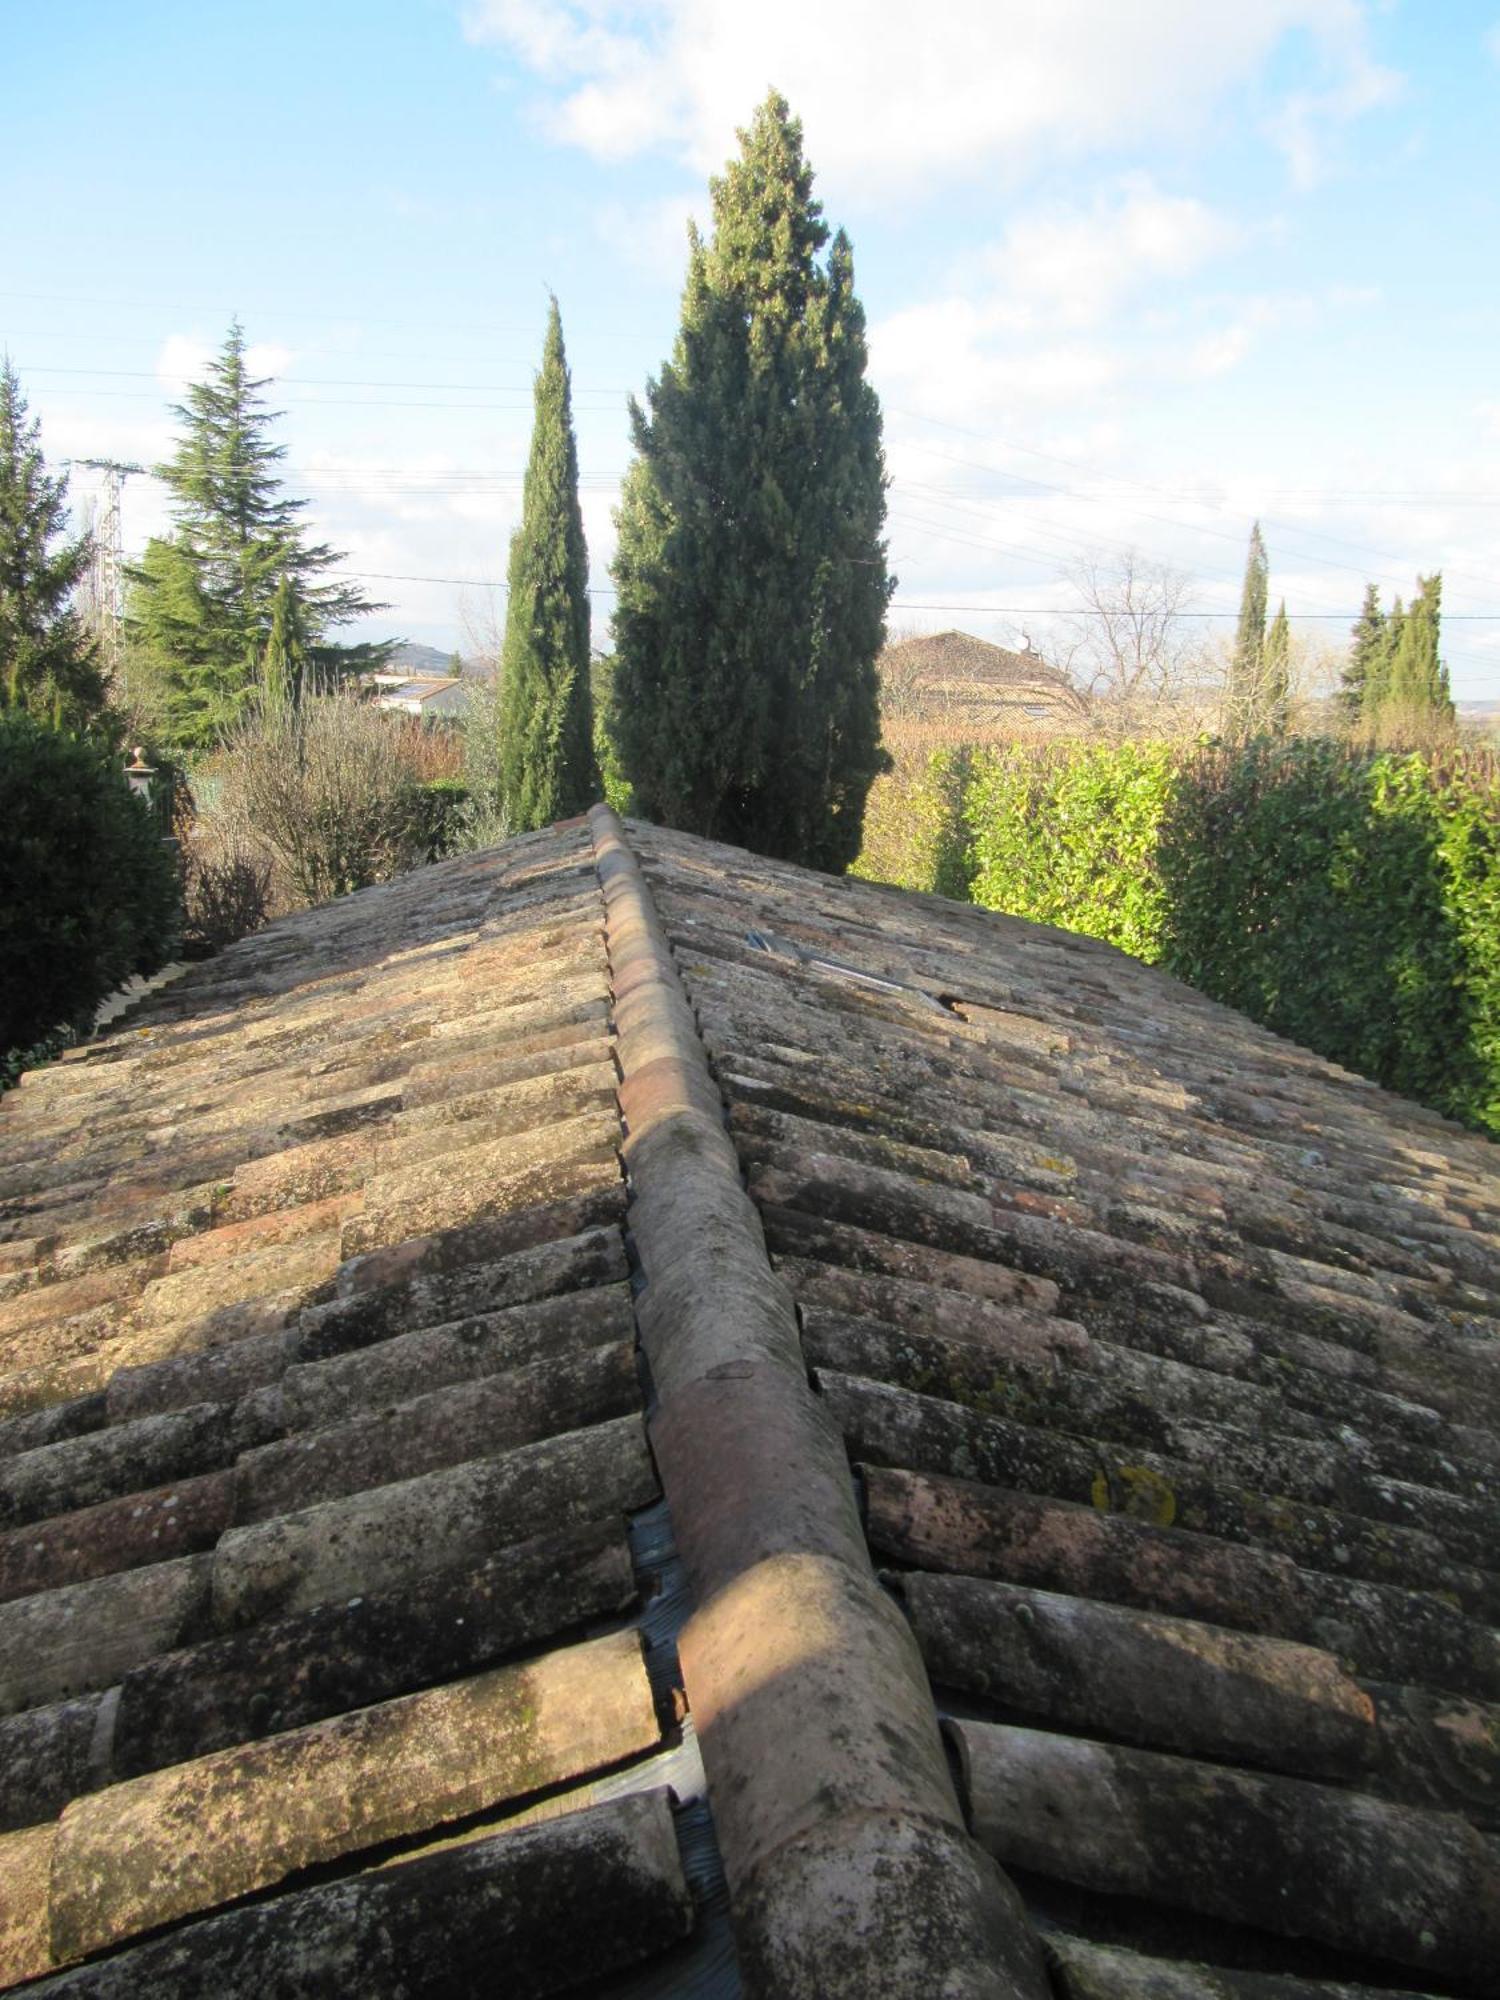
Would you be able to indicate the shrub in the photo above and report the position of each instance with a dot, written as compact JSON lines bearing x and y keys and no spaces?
{"x":227,"y":896}
{"x":329,"y":788}
{"x":435,"y":816}
{"x":88,"y":890}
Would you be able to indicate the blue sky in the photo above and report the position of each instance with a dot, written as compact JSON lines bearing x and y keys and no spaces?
{"x":1135,"y":274}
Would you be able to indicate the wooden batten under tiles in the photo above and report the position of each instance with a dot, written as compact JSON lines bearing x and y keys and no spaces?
{"x":618,"y":1416}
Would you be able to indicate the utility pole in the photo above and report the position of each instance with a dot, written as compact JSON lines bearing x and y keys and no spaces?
{"x":107,"y":584}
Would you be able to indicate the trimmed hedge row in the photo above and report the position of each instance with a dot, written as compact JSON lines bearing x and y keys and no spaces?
{"x":88,"y":888}
{"x":1349,"y":901}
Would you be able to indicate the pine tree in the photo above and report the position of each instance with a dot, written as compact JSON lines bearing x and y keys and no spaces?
{"x":751,"y":569}
{"x":48,"y":664}
{"x":201,"y":606}
{"x":1368,"y":636}
{"x":284,"y":666}
{"x":1276,"y":674}
{"x":1245,"y":695}
{"x":546,"y":761}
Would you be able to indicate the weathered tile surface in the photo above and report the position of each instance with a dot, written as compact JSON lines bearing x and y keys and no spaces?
{"x":320,"y":1427}
{"x":1168,"y":1356}
{"x":1171,"y":1358}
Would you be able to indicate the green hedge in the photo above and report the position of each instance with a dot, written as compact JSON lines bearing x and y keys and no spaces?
{"x":88,"y":889}
{"x":914,"y":832}
{"x":1349,"y":901}
{"x":1067,"y":834}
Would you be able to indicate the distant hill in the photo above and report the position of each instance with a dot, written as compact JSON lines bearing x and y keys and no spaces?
{"x":426,"y":662}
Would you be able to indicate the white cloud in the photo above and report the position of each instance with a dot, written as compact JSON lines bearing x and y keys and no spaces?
{"x":1307,"y":127}
{"x":1492,"y":43}
{"x":895,"y":102}
{"x":1072,"y":266}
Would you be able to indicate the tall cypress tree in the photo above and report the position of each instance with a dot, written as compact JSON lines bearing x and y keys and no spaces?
{"x":48,"y":665}
{"x":1245,"y":694}
{"x":1416,"y":685}
{"x":1276,"y":674}
{"x":284,"y":667}
{"x":1368,"y":637}
{"x":201,"y":606}
{"x":546,"y":722}
{"x":751,"y":568}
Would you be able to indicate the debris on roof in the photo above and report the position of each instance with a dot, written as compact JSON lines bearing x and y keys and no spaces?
{"x":474,"y":1346}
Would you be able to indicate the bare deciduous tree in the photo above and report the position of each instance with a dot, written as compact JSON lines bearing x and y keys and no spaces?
{"x":1133,"y":652}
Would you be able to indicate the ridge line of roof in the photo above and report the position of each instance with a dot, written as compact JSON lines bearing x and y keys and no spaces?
{"x":849,"y":1865}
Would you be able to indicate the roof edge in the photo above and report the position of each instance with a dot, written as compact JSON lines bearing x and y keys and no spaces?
{"x":849,"y":1866}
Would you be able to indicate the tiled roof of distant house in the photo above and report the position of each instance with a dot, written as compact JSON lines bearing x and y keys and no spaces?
{"x":422,"y":695}
{"x":472,"y":1346}
{"x":957,"y":677}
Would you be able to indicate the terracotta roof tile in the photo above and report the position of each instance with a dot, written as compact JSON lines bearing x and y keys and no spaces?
{"x":361,"y":1293}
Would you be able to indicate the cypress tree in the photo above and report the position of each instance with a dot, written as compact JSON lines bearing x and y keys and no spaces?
{"x":1418,"y":682}
{"x":1382,"y":663}
{"x":48,"y":664}
{"x":1245,"y":695}
{"x":751,"y":568}
{"x":1276,"y":674}
{"x":284,"y":668}
{"x":1368,"y":637}
{"x":546,"y":723}
{"x":201,"y":606}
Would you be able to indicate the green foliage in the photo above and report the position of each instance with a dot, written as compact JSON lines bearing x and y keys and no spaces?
{"x":1350,"y":901}
{"x":614,"y":785}
{"x":48,"y":665}
{"x":546,"y":757}
{"x":435,"y":815}
{"x":1276,"y":674}
{"x":751,"y":569}
{"x":202,"y":603}
{"x":1367,"y":642}
{"x":1319,"y":892}
{"x":88,"y":890}
{"x":285,"y":664}
{"x":1245,"y":698}
{"x":1068,"y":836}
{"x":914,"y":829}
{"x":1417,"y":680}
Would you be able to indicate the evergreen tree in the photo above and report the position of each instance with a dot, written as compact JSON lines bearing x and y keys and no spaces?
{"x":1245,"y":695}
{"x":1276,"y":674}
{"x":1382,"y":663}
{"x":284,"y":667}
{"x":48,"y":664}
{"x":546,"y":762}
{"x":1368,"y":636}
{"x":1417,"y":686}
{"x":201,"y":606}
{"x":751,"y":569}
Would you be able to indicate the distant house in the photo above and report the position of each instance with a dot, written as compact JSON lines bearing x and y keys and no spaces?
{"x":952,"y":677}
{"x":421,"y":695}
